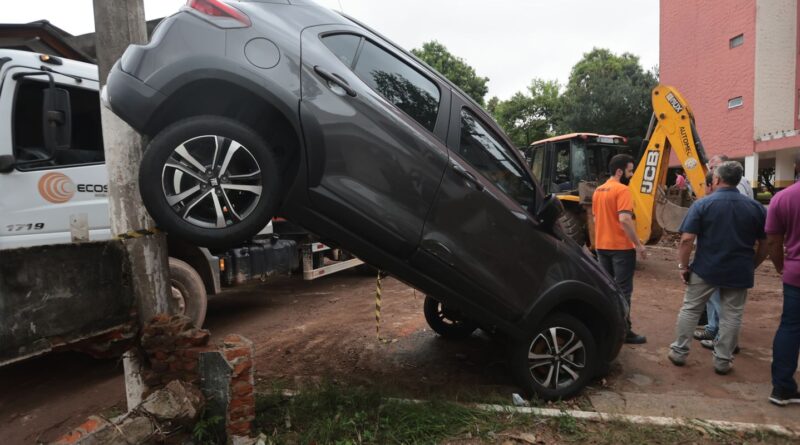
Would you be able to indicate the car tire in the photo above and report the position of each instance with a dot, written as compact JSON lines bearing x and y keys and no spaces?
{"x":555,"y":373}
{"x":447,"y":322}
{"x":224,"y":192}
{"x":573,"y":226}
{"x":189,"y":291}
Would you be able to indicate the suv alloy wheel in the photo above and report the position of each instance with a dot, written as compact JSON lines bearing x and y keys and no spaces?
{"x":210,"y":180}
{"x":557,"y":359}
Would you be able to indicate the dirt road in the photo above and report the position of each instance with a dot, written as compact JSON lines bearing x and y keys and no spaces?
{"x":325,"y":329}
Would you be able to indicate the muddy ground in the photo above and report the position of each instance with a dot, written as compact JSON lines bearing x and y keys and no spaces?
{"x":326,"y":330}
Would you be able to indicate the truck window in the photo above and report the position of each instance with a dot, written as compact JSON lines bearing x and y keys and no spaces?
{"x":562,"y":170}
{"x":86,"y":146}
{"x":538,"y":161}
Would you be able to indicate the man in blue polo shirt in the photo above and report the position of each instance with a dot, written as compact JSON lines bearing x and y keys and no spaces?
{"x":727,"y":227}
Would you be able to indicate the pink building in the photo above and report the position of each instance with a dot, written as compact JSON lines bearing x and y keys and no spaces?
{"x":736,"y":63}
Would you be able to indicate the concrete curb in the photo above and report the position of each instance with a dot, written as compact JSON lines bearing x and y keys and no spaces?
{"x":593,"y":416}
{"x":719,"y":425}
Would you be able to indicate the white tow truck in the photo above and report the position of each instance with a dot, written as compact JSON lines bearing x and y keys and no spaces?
{"x":54,"y":186}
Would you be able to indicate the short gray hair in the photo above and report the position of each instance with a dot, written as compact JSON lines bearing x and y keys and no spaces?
{"x":730,"y":172}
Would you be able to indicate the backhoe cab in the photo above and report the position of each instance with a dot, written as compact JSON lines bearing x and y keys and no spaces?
{"x":573,"y":165}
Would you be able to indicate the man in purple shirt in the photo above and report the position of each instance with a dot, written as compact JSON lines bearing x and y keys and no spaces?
{"x":783,"y":229}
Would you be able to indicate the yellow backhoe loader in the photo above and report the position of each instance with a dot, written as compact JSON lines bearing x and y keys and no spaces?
{"x":573,"y":165}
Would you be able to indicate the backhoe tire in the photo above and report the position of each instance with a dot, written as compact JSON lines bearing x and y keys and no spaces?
{"x":188,"y":290}
{"x":574,"y":227}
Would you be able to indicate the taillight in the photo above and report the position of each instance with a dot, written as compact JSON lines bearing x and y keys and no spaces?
{"x":218,"y":8}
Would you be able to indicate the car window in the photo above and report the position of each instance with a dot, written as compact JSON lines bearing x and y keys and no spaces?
{"x":398,"y":82}
{"x":344,"y":46}
{"x":86,"y":146}
{"x":495,"y":160}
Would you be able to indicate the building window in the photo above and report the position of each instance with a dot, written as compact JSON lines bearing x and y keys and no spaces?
{"x":737,"y":41}
{"x":736,"y":102}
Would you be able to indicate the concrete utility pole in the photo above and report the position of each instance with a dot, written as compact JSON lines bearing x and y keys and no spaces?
{"x":119,"y":23}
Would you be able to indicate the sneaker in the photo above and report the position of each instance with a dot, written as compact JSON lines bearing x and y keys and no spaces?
{"x":633,"y":338}
{"x":703,"y":334}
{"x":709,"y":344}
{"x":782,"y":398}
{"x":676,"y":359}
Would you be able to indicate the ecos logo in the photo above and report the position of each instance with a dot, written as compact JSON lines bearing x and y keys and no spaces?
{"x":56,"y":188}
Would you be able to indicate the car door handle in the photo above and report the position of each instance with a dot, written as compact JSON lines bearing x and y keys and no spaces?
{"x":335,"y":79}
{"x":468,"y":176}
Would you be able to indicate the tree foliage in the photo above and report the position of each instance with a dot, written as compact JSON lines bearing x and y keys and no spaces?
{"x":453,"y":68}
{"x":607,"y":94}
{"x":529,"y":116}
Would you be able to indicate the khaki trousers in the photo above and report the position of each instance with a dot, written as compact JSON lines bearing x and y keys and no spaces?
{"x":732,"y":302}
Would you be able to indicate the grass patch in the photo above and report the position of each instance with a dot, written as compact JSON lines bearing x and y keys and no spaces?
{"x":329,"y":414}
{"x":333,"y":414}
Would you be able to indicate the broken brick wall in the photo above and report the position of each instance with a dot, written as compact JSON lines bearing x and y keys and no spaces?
{"x":176,"y":350}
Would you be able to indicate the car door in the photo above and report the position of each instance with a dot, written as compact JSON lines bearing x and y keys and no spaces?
{"x":49,"y":202}
{"x":375,"y":124}
{"x":481,"y":237}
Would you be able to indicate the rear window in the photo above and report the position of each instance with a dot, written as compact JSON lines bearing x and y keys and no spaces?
{"x":394,"y":79}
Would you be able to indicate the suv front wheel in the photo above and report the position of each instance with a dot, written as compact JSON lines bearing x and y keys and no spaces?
{"x":557,"y":360}
{"x":210,"y":180}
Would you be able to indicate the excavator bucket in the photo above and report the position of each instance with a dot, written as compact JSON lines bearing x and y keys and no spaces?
{"x":668,"y":214}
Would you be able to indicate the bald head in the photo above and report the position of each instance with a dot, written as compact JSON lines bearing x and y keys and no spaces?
{"x":716,"y":160}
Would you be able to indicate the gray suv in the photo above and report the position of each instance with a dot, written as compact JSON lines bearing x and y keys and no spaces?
{"x":266,"y":107}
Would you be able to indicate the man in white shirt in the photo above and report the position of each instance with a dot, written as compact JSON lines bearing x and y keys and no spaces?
{"x":744,"y":186}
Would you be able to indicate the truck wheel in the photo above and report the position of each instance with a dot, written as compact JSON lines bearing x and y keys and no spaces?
{"x":210,"y":180}
{"x":573,"y":226}
{"x":557,"y":360}
{"x":446,"y":322}
{"x":189,"y":291}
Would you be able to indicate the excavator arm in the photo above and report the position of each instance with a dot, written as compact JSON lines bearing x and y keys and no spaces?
{"x":674,"y":129}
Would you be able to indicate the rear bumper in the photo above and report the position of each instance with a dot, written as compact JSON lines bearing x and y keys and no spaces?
{"x":140,"y":101}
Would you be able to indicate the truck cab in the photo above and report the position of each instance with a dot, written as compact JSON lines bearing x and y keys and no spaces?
{"x":57,"y":194}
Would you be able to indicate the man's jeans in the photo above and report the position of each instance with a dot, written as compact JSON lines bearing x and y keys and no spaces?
{"x":712,"y":311}
{"x":732,"y":302}
{"x":786,"y":345}
{"x":620,"y":264}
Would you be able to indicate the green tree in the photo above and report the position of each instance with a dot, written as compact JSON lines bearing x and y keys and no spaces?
{"x":607,"y":94}
{"x":453,"y":68}
{"x":529,"y":116}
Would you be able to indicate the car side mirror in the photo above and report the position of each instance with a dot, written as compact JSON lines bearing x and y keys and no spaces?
{"x":56,"y":120}
{"x":7,"y":163}
{"x":549,"y":212}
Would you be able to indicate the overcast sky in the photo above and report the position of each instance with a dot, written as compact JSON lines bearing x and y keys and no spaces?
{"x":508,"y":41}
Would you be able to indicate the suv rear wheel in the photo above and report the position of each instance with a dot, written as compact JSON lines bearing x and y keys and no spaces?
{"x":210,"y":180}
{"x":557,"y":360}
{"x":446,"y":322}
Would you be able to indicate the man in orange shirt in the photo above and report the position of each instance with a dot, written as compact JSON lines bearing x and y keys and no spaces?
{"x":615,"y":231}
